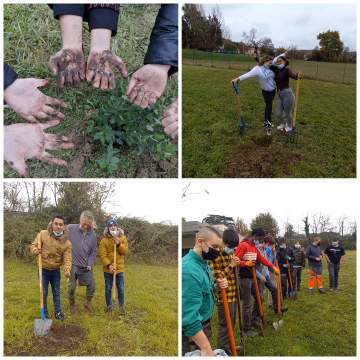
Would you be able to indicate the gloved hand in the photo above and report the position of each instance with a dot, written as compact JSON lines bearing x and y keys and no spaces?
{"x":276,"y":270}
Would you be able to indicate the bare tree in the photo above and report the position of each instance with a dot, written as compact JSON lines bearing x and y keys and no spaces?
{"x":12,"y":198}
{"x":341,"y":225}
{"x":306,"y":227}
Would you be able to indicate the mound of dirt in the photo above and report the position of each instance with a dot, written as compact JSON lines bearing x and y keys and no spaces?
{"x":61,"y":339}
{"x":254,"y":161}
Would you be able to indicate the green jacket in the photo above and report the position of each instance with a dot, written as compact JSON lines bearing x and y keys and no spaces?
{"x":197,"y":293}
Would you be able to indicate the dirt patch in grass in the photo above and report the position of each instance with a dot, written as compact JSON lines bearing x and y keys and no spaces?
{"x":151,"y":167}
{"x":255,"y":161}
{"x":61,"y":339}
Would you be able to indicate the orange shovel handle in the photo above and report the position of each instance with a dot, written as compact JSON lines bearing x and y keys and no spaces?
{"x":258,"y":298}
{"x":228,"y":322}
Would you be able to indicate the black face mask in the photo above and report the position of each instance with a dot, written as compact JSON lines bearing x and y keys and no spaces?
{"x":211,"y":255}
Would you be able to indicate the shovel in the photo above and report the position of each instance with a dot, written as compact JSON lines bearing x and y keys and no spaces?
{"x":113,"y":289}
{"x":280,"y":322}
{"x":258,"y":299}
{"x":293,"y":135}
{"x":238,"y":302}
{"x":292,"y":293}
{"x":42,"y":326}
{"x":242,"y":123}
{"x":228,"y":322}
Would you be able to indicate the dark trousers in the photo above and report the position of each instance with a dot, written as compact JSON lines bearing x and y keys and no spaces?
{"x":84,"y":277}
{"x":250,"y":309}
{"x":53,"y":277}
{"x":268,"y":98}
{"x":334,"y":270}
{"x":188,"y":345}
{"x":285,"y":288}
{"x":296,"y":276}
{"x":119,"y":281}
{"x":271,"y":286}
{"x":223,"y":335}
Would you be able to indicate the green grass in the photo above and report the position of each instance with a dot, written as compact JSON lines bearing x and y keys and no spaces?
{"x":148,"y":329}
{"x":315,"y":325}
{"x":31,"y":36}
{"x":212,"y":145}
{"x":325,"y":71}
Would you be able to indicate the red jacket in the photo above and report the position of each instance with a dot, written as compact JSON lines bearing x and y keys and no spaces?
{"x":246,"y":250}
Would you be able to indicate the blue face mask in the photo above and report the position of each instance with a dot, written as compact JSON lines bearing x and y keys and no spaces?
{"x":228,"y":251}
{"x":281,"y":66}
{"x":256,"y":243}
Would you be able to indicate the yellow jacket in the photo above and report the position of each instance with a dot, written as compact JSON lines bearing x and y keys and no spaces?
{"x":106,"y":252}
{"x":54,"y":252}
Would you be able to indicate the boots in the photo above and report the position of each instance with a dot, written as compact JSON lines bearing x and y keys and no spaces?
{"x":87,"y":305}
{"x":122,"y":309}
{"x":73,"y":309}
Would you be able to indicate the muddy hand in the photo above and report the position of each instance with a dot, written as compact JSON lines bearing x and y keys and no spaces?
{"x":100,"y":69}
{"x":147,"y":84}
{"x":24,"y":97}
{"x":27,"y":141}
{"x":170,"y":120}
{"x":69,"y":66}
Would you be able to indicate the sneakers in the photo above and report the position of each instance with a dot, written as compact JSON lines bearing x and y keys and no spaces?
{"x":60,"y":316}
{"x":251,"y":333}
{"x":268,"y":131}
{"x":309,"y":291}
{"x":321,"y":291}
{"x":288,"y":129}
{"x":281,"y":126}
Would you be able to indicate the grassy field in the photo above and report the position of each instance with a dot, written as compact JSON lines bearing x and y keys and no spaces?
{"x":149,"y":327}
{"x":310,"y":326}
{"x":326,"y":71}
{"x":31,"y":36}
{"x":212,"y":146}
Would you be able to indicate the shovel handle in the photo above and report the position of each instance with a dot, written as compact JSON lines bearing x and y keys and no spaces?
{"x":41,"y":290}
{"x":289,"y":274}
{"x":228,"y":322}
{"x":236,"y":87}
{"x":114,"y":275}
{"x":296,"y":102}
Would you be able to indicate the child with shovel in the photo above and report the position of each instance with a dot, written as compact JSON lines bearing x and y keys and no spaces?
{"x":112,"y":250}
{"x":54,"y":248}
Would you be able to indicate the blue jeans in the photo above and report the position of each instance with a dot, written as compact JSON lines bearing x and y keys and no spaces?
{"x":53,"y":277}
{"x":119,"y":285}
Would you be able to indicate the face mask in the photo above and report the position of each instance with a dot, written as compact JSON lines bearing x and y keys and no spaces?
{"x":114,"y":232}
{"x":211,"y":255}
{"x":228,"y":250}
{"x":297,"y":246}
{"x":256,"y":243}
{"x":335,"y":244}
{"x":58,"y":234}
{"x":281,"y":66}
{"x":282,"y":246}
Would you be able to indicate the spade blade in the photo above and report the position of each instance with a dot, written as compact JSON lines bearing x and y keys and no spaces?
{"x":42,"y":327}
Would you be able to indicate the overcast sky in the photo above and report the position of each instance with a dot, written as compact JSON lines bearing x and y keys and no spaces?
{"x":286,"y":200}
{"x":291,"y":24}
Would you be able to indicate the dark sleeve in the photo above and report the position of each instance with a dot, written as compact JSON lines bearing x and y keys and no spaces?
{"x":292,"y":74}
{"x":326,"y":252}
{"x":163,"y":47}
{"x":103,"y":16}
{"x":342,"y":251}
{"x":9,"y":75}
{"x":68,"y":9}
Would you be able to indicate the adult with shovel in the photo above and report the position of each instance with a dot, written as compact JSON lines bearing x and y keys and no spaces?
{"x":223,"y":267}
{"x":53,"y":249}
{"x":112,"y":250}
{"x":84,"y":241}
{"x":285,"y":258}
{"x":298,"y":265}
{"x":249,"y":256}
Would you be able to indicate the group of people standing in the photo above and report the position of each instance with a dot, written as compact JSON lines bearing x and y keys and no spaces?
{"x":75,"y":247}
{"x":223,"y":261}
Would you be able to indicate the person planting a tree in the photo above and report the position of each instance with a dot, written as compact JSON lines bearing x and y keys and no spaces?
{"x":54,"y":247}
{"x":113,"y":240}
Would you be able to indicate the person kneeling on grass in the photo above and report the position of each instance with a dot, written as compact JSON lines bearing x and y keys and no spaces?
{"x":113,"y":234}
{"x":54,"y":248}
{"x":314,"y":256}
